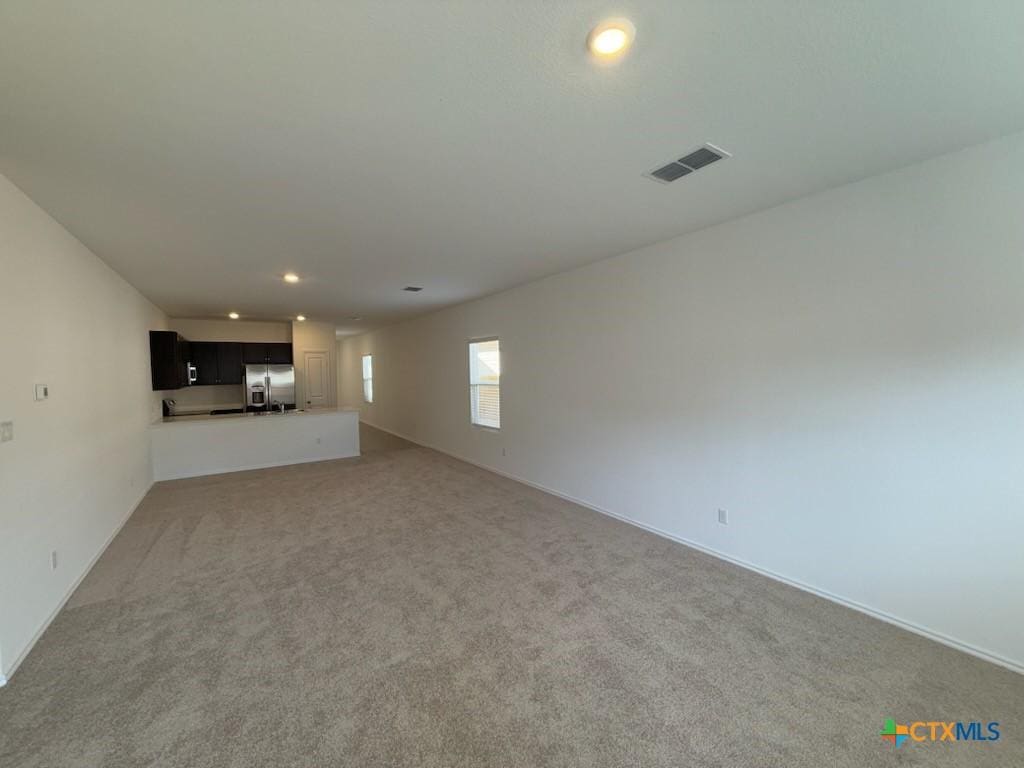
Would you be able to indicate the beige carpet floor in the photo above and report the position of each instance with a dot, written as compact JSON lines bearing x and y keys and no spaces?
{"x":405,"y":609}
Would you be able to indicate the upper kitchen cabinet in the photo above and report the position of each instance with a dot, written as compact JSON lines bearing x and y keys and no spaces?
{"x":177,"y":362}
{"x":271,"y":352}
{"x":253,"y":353}
{"x":204,"y":358}
{"x":280,"y":353}
{"x":168,"y":360}
{"x":229,"y":362}
{"x":217,"y":362}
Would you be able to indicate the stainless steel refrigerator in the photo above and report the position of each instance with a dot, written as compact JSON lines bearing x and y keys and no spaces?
{"x":269,"y":387}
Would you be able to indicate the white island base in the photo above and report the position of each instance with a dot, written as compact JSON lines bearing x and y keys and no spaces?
{"x":189,"y":446}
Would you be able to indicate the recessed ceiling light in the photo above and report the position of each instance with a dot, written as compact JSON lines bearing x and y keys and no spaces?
{"x":355,"y":318}
{"x":301,"y":318}
{"x":291,"y":277}
{"x":233,"y":315}
{"x":611,"y":38}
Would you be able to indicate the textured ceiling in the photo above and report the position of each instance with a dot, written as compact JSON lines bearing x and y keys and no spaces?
{"x":202,"y":149}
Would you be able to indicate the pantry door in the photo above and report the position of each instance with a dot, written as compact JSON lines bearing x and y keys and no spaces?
{"x":317,"y":379}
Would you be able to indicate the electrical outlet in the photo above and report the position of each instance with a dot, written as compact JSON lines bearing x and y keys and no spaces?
{"x":723,"y":517}
{"x":6,"y":431}
{"x":53,"y":560}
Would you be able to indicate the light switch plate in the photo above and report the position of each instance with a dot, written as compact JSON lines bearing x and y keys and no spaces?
{"x":6,"y":431}
{"x":42,"y":391}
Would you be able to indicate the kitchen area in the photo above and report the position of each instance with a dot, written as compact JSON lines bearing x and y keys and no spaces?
{"x":234,"y":399}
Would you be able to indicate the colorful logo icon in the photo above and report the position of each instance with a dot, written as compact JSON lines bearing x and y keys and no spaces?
{"x":895,"y":733}
{"x":937,"y":730}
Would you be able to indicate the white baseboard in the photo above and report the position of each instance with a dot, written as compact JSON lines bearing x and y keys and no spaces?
{"x":7,"y":674}
{"x":888,"y":618}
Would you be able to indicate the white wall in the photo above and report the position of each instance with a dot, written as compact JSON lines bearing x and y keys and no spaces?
{"x":79,"y":462}
{"x":200,"y":399}
{"x":207,"y":329}
{"x":844,"y":374}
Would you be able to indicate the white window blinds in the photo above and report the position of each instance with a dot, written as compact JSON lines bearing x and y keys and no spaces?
{"x":485,"y":383}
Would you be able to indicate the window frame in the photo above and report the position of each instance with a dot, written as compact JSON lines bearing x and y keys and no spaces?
{"x":469,"y":381}
{"x":362,"y":370}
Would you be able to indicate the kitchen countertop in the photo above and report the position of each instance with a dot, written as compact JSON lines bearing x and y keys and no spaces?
{"x":201,"y":417}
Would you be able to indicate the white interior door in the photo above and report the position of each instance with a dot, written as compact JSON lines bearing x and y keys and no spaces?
{"x":317,"y":379}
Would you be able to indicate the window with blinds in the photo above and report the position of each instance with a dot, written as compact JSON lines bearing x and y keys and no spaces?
{"x":484,"y":383}
{"x":368,"y":378}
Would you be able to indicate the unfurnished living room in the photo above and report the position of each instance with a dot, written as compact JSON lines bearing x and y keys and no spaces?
{"x":478,"y":384}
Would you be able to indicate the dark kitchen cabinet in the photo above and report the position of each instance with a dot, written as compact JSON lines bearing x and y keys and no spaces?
{"x":204,"y":358}
{"x":217,"y":362}
{"x":229,"y":362}
{"x":279,"y":353}
{"x":211,"y":362}
{"x":254,"y":353}
{"x":168,"y":360}
{"x":272,"y":352}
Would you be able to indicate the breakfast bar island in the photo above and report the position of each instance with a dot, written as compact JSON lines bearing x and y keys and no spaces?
{"x":190,"y":446}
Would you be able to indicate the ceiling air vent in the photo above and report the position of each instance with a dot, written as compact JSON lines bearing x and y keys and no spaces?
{"x":412,"y":288}
{"x":696,"y":160}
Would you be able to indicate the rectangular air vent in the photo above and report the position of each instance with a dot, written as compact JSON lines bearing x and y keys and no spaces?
{"x":696,"y":160}
{"x":412,"y":288}
{"x":671,"y":172}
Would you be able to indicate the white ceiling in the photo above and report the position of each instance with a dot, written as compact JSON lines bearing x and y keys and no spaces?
{"x":202,"y":149}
